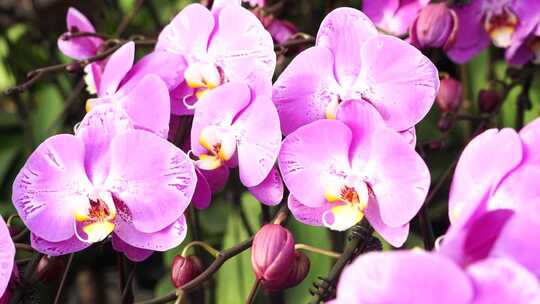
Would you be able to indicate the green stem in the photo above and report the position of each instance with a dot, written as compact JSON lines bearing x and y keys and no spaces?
{"x":211,"y":250}
{"x":318,"y":250}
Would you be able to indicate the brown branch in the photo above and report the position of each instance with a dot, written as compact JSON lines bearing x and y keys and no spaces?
{"x":35,"y":75}
{"x":63,"y":281}
{"x":222,"y":257}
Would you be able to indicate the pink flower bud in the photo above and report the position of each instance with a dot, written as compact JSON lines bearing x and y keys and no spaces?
{"x":185,"y":269}
{"x":435,"y":26}
{"x":272,"y":256}
{"x":50,"y":269}
{"x":450,"y":95}
{"x":299,"y":271}
{"x":488,"y":100}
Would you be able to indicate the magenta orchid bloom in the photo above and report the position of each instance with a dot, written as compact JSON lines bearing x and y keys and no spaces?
{"x":505,"y":179}
{"x":232,"y":126}
{"x":127,"y":87}
{"x":497,"y":21}
{"x":418,"y":277}
{"x":494,"y":202}
{"x":337,"y":171}
{"x":354,"y":62}
{"x":393,"y":16}
{"x":215,"y":47}
{"x":82,"y":47}
{"x":7,"y":257}
{"x":525,"y":46}
{"x":109,"y":177}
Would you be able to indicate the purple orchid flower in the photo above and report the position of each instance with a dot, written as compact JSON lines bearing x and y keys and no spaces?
{"x":7,"y":257}
{"x":337,"y":171}
{"x":505,"y":179}
{"x":127,"y":87}
{"x":525,"y":45}
{"x":83,"y":47}
{"x":393,"y":16}
{"x":234,"y":127}
{"x":215,"y":47}
{"x":497,"y":21}
{"x":418,"y":277}
{"x":75,"y":190}
{"x":494,"y":203}
{"x":354,"y":62}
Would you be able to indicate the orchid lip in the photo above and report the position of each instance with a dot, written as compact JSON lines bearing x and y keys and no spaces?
{"x":97,"y":217}
{"x":501,"y":27}
{"x":351,"y":199}
{"x":220,"y":144}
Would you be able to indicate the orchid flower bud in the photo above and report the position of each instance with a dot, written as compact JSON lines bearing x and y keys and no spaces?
{"x":185,"y":269}
{"x":450,"y":95}
{"x":488,"y":100}
{"x":435,"y":27}
{"x":273,"y":256}
{"x":299,"y":271}
{"x":50,"y":268}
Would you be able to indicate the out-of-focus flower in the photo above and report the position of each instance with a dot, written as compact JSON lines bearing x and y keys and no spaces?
{"x":140,"y":88}
{"x":393,"y":16}
{"x":525,"y":46}
{"x":450,"y":95}
{"x":488,"y":100}
{"x":185,"y":269}
{"x":272,"y":255}
{"x":233,"y":126}
{"x":226,"y":44}
{"x":418,"y":277}
{"x":435,"y":27}
{"x":82,"y":47}
{"x":496,"y":170}
{"x":498,"y":214}
{"x":75,"y":190}
{"x":281,"y":30}
{"x":497,"y":21}
{"x":7,"y":259}
{"x":339,"y":171}
{"x":354,"y":62}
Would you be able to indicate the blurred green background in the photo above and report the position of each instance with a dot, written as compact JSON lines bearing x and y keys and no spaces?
{"x":29,"y":30}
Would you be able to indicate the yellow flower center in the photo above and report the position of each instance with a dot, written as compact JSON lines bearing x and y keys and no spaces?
{"x":501,"y":27}
{"x":97,"y":218}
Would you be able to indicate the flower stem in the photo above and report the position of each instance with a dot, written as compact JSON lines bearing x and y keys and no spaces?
{"x":203,"y":245}
{"x":253,"y":292}
{"x":310,"y":248}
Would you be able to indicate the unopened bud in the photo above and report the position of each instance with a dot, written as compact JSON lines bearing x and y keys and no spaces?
{"x":299,"y":271}
{"x":434,"y":27}
{"x":450,"y":95}
{"x":488,"y":100}
{"x":272,"y":255}
{"x":185,"y":269}
{"x":50,"y":269}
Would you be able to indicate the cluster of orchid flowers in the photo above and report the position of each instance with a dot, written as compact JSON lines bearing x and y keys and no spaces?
{"x":347,"y":109}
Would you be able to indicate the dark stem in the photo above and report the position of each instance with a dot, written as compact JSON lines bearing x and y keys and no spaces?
{"x":524,"y":101}
{"x":27,"y":278}
{"x":63,"y":281}
{"x":127,"y":291}
{"x":358,"y":241}
{"x":253,"y":292}
{"x":425,"y":228}
{"x":127,"y":19}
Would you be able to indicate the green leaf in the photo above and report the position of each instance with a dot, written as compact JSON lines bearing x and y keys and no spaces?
{"x":10,"y":148}
{"x":320,"y":265}
{"x":49,"y":105}
{"x":235,"y":278}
